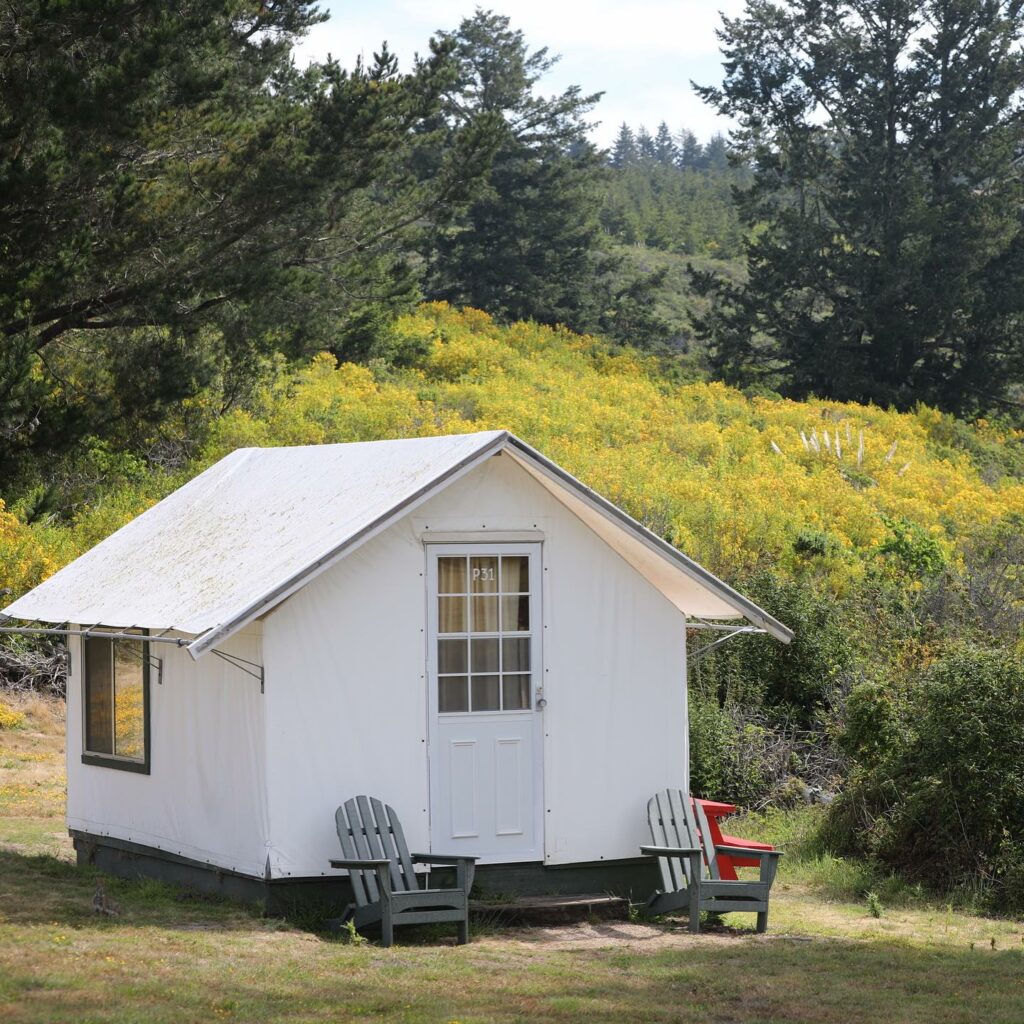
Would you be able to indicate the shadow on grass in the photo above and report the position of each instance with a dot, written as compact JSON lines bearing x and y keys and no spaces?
{"x":44,"y":889}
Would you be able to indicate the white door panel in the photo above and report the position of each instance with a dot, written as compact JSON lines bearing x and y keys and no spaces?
{"x":484,"y":668}
{"x":462,"y":788}
{"x":510,"y":787}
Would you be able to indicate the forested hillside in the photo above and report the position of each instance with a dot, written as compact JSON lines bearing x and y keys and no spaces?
{"x":671,"y":192}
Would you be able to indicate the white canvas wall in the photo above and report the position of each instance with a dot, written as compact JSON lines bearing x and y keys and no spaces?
{"x":346,"y":695}
{"x":345,"y":701}
{"x":205,"y":796}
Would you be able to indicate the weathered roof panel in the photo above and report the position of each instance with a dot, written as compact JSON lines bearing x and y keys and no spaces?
{"x":241,"y":530}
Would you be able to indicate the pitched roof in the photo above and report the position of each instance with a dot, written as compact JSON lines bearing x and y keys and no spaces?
{"x":255,"y":527}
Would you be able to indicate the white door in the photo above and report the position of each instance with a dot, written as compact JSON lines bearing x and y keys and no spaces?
{"x":485,"y":676}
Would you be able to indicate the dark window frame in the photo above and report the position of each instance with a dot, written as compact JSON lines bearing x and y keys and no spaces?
{"x":123,"y":764}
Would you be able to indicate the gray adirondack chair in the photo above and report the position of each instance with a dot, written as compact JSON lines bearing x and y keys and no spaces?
{"x":689,"y":867}
{"x":384,"y":883}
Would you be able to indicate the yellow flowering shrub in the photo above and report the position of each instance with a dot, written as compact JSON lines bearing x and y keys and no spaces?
{"x":729,"y":479}
{"x":732,"y":480}
{"x":27,"y":556}
{"x":9,"y":718}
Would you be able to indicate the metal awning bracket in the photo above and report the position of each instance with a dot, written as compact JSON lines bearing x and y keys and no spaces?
{"x":730,"y":630}
{"x":89,"y":631}
{"x":250,"y":668}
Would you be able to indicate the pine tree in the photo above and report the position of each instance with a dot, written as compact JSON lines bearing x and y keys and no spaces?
{"x":527,"y":247}
{"x":624,"y":151}
{"x":177,"y":199}
{"x":644,"y":144}
{"x":715,"y":154}
{"x":664,"y":146}
{"x":689,"y":149}
{"x":888,"y":262}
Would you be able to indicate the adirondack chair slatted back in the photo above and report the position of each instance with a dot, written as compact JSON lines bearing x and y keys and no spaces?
{"x":670,"y":817}
{"x":370,"y":830}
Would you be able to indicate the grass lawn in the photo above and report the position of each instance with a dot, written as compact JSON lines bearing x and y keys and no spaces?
{"x":168,"y":957}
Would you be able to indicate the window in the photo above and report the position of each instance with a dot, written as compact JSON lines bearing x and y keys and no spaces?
{"x":484,"y":640}
{"x":116,"y":703}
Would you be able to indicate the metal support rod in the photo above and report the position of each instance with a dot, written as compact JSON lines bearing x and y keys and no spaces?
{"x":724,"y":627}
{"x":240,"y":663}
{"x":91,"y":632}
{"x":155,"y":664}
{"x":701,"y":651}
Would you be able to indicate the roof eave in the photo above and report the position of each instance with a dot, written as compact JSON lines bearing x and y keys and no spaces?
{"x":743,"y":605}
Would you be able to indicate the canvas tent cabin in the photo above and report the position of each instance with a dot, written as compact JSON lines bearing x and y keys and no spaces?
{"x":453,"y":624}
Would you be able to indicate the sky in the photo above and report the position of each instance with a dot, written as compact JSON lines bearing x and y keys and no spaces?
{"x":642,"y":54}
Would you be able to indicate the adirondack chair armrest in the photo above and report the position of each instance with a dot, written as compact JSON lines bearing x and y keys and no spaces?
{"x":382,"y":868}
{"x":465,"y":867}
{"x":769,"y":859}
{"x":670,"y":851}
{"x":441,"y":858}
{"x":748,"y":851}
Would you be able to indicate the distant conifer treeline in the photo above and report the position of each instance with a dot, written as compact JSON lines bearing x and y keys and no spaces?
{"x":673,"y":192}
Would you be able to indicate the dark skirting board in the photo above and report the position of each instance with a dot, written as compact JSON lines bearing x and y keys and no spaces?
{"x":634,"y":879}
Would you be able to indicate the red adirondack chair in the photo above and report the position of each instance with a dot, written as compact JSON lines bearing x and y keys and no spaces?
{"x":727,"y":864}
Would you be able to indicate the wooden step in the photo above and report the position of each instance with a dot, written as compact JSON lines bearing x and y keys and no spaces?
{"x":552,"y":910}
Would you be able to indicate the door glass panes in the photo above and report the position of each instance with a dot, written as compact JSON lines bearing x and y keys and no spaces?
{"x":485,"y":615}
{"x":485,"y":654}
{"x":516,"y":692}
{"x":515,"y":574}
{"x":452,"y":657}
{"x":451,"y":576}
{"x":486,"y":693}
{"x":515,"y":613}
{"x":453,"y":693}
{"x":451,"y":614}
{"x":484,"y":574}
{"x":484,"y":642}
{"x":515,"y":652}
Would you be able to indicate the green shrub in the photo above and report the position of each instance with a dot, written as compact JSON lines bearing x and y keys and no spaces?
{"x":911,"y":548}
{"x":874,"y":715}
{"x":732,"y":756}
{"x":942,"y":800}
{"x":791,"y":682}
